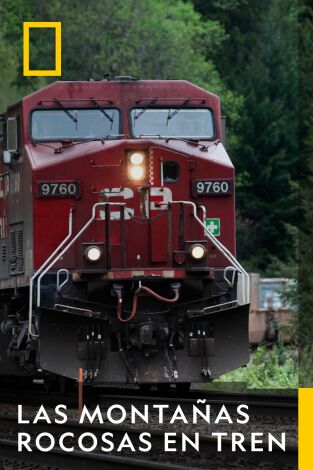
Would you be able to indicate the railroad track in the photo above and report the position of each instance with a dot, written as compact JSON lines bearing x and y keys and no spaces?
{"x":59,"y":460}
{"x":81,"y":460}
{"x":259,"y":403}
{"x":276,"y":406}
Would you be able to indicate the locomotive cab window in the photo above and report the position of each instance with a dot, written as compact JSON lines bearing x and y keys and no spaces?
{"x":191,"y":123}
{"x":170,"y":171}
{"x":74,"y":124}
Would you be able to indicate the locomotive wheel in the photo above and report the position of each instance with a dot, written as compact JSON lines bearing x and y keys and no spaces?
{"x":183,"y":387}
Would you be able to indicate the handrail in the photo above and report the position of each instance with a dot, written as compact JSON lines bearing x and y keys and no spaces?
{"x":59,"y":286}
{"x":31,"y":284}
{"x":203,"y":212}
{"x":56,"y":255}
{"x":53,"y":258}
{"x":217,"y":306}
{"x":230,"y":282}
{"x":228,"y":255}
{"x":82,"y":230}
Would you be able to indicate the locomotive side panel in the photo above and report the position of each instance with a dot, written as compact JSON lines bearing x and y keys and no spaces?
{"x":16,"y":213}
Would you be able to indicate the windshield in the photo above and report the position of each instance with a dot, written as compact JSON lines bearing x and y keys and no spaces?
{"x":192,"y":123}
{"x":74,"y":124}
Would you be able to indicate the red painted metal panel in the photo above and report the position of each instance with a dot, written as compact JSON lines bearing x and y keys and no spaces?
{"x":101,"y":168}
{"x":159,"y":237}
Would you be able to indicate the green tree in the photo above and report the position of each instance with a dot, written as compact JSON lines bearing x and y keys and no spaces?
{"x":150,"y":39}
{"x":8,"y":73}
{"x":306,"y":227}
{"x":258,"y":60}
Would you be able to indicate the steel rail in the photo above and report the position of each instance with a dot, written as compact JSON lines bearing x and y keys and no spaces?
{"x":79,"y":460}
{"x":259,"y":404}
{"x":207,"y":444}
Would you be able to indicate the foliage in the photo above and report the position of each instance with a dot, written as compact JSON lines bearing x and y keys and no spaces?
{"x":270,"y":367}
{"x":259,"y":62}
{"x":306,"y":226}
{"x":151,"y":39}
{"x":7,"y":73}
{"x":306,"y":366}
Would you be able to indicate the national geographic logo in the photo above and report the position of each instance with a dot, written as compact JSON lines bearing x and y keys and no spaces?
{"x":56,"y":72}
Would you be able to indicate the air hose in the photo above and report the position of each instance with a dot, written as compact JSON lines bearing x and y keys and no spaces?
{"x":175,"y":288}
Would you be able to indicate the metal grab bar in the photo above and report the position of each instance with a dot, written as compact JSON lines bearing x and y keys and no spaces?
{"x":59,"y":286}
{"x":230,"y":282}
{"x":68,"y":246}
{"x":203,"y":212}
{"x":53,"y":258}
{"x":57,"y":254}
{"x":31,"y":284}
{"x":217,"y":306}
{"x":228,"y":255}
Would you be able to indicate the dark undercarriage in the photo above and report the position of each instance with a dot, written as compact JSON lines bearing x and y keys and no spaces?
{"x":164,"y":342}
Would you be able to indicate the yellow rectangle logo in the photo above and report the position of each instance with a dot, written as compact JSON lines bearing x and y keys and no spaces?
{"x":58,"y":49}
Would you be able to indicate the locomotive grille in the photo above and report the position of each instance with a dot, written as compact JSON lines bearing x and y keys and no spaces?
{"x":20,"y":251}
{"x":16,"y":251}
{"x":12,"y":252}
{"x":3,"y":253}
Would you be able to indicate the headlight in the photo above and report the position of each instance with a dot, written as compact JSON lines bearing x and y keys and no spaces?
{"x":198,"y":252}
{"x":136,"y":158}
{"x":136,"y":165}
{"x":136,"y":172}
{"x":93,"y":254}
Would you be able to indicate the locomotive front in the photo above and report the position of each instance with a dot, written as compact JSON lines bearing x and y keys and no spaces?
{"x":128,"y":250}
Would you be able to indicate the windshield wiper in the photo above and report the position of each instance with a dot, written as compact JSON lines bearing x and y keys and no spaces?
{"x":137,"y":116}
{"x":103,"y":111}
{"x":176,"y":110}
{"x":70,"y":143}
{"x":196,"y":142}
{"x":70,"y":115}
{"x":93,"y":139}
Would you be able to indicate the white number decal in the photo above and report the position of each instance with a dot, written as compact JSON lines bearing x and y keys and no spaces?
{"x":224,"y":187}
{"x":54,"y":187}
{"x":71,"y":189}
{"x":216,"y":186}
{"x":211,"y":187}
{"x":66,"y":189}
{"x":63,"y":189}
{"x":45,"y":189}
{"x":200,"y":186}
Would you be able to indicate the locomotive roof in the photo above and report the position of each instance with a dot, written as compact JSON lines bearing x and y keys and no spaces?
{"x":122,"y":90}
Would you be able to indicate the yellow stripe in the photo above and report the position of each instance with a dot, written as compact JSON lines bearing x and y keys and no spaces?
{"x":58,"y":48}
{"x":305,"y":437}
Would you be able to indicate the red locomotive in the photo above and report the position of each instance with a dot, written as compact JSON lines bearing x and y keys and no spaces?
{"x":117,"y":249}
